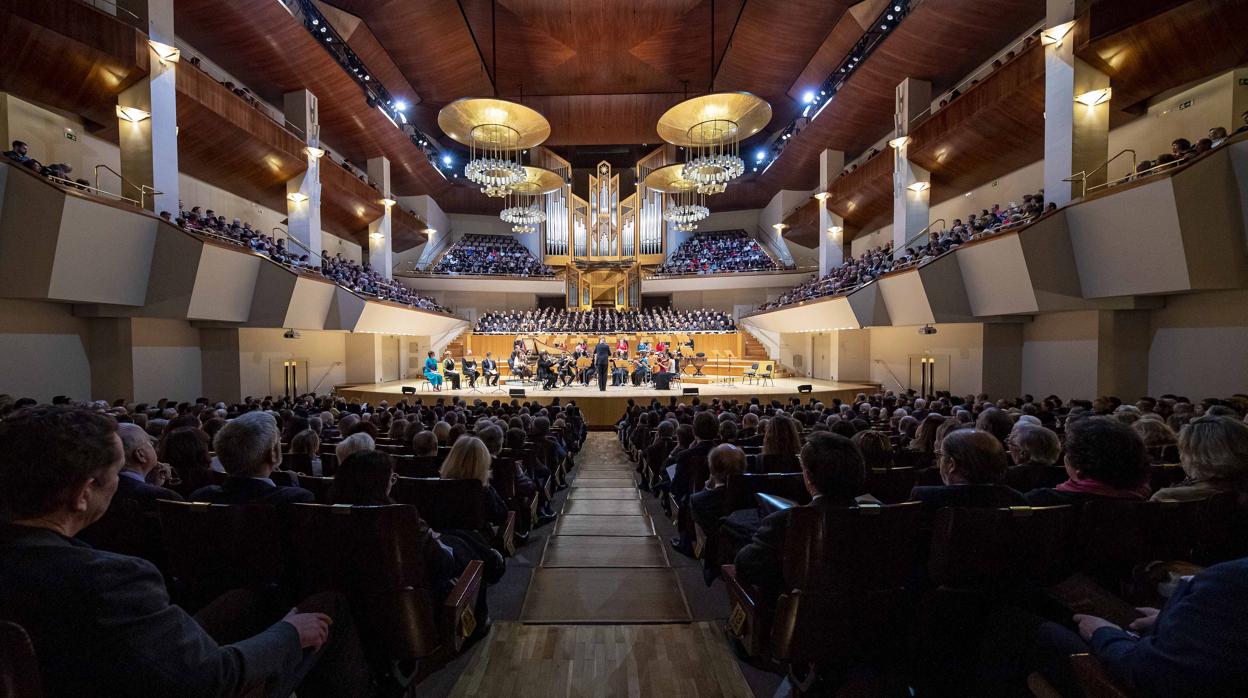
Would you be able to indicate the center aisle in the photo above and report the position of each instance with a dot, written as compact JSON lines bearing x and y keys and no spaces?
{"x":604,"y":614}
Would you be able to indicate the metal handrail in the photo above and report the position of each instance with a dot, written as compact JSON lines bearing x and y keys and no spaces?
{"x":298,"y":242}
{"x":114,"y":6}
{"x":1082,"y":177}
{"x":70,"y":184}
{"x":143,"y":189}
{"x":918,"y":235}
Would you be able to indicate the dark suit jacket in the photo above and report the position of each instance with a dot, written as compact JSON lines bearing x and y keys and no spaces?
{"x":247,"y":490}
{"x":751,"y":440}
{"x":967,"y":496}
{"x":489,"y":365}
{"x":130,"y":525}
{"x":684,"y":463}
{"x":708,"y":508}
{"x":102,"y":625}
{"x":1196,"y":646}
{"x":760,"y":562}
{"x":602,"y":354}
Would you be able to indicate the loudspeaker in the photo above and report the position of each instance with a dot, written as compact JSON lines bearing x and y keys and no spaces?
{"x":689,"y":391}
{"x":515,"y":392}
{"x":408,"y":390}
{"x":663,"y":381}
{"x":805,"y":388}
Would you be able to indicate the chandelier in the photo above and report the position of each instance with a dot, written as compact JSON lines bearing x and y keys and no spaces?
{"x":497,"y":133}
{"x":710,"y":128}
{"x":686,"y":204}
{"x":525,"y":200}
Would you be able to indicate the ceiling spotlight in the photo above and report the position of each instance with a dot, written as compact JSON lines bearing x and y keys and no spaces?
{"x":884,"y":27}
{"x":324,"y":29}
{"x":760,"y":155}
{"x":889,"y":18}
{"x":400,"y":105}
{"x":315,"y":22}
{"x":447,"y":160}
{"x":896,"y":8}
{"x":808,"y":96}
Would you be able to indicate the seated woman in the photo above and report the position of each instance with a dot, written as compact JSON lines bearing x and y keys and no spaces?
{"x":781,"y":444}
{"x":1158,"y":438}
{"x":877,"y":452}
{"x":431,"y":372}
{"x":469,"y":459}
{"x":1214,"y":454}
{"x":188,"y":452}
{"x":1104,"y":459}
{"x":305,"y":448}
{"x":972,"y":464}
{"x":1034,"y":449}
{"x":365,"y":479}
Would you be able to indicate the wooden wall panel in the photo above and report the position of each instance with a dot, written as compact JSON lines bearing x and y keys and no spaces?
{"x":407,"y":231}
{"x":348,"y":205}
{"x":864,"y":197}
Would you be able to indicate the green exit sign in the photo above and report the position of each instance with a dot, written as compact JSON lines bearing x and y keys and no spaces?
{"x":1185,"y":105}
{"x":1243,"y":82}
{"x":70,"y":135}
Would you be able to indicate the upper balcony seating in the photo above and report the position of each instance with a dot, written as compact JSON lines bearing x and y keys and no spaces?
{"x":600,"y":321}
{"x":718,"y":253}
{"x":490,"y":255}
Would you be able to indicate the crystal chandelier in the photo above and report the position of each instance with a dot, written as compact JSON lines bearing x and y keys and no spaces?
{"x":714,"y":155}
{"x":526,"y":215}
{"x":494,"y":159}
{"x":686,"y":209}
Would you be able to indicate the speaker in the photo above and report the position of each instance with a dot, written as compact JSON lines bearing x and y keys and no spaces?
{"x":688,"y":391}
{"x":805,"y":388}
{"x":408,"y":390}
{"x":515,"y":392}
{"x":663,"y":381}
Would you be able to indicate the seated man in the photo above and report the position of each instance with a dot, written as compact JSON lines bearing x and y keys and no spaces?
{"x":971,"y":464}
{"x":834,"y":473}
{"x":470,"y":368}
{"x":250,"y":448}
{"x":101,"y":623}
{"x":710,"y":505}
{"x":489,"y":368}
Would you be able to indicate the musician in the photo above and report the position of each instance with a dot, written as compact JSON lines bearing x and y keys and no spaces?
{"x":662,"y":371}
{"x":431,"y":372}
{"x":680,"y":356}
{"x":546,"y":371}
{"x":619,"y":371}
{"x":621,"y":347}
{"x":567,"y":367}
{"x":660,"y":346}
{"x":581,"y":350}
{"x":448,"y":370}
{"x":641,"y":370}
{"x":469,"y":366}
{"x":489,"y":368}
{"x":602,"y":355}
{"x":519,"y":363}
{"x":643,"y":347}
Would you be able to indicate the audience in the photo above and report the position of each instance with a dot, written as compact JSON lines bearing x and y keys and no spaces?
{"x":250,"y":449}
{"x":1105,"y":459}
{"x":603,"y":321}
{"x":1214,"y":454}
{"x":717,"y":252}
{"x":498,"y":255}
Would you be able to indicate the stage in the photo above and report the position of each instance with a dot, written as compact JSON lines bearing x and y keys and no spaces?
{"x":602,"y":409}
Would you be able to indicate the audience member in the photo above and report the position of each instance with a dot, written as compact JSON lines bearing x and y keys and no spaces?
{"x":717,"y":252}
{"x":250,"y":448}
{"x":498,"y":255}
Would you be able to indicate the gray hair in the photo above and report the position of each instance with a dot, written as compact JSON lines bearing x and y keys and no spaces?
{"x":354,"y":443}
{"x":1038,"y":443}
{"x":492,"y":437}
{"x":243,"y":444}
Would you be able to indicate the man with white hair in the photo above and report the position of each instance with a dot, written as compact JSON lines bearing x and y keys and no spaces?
{"x":249,"y":448}
{"x":134,"y":501}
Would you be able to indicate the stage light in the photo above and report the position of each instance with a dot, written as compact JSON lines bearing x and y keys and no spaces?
{"x":808,"y":96}
{"x":760,"y":155}
{"x":447,"y":160}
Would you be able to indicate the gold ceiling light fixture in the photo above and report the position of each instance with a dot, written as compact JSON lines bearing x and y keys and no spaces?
{"x":686,"y":204}
{"x":711,"y":128}
{"x":497,"y":132}
{"x":523,"y":201}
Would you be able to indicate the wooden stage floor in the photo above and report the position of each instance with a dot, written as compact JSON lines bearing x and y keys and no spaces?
{"x":602,"y":409}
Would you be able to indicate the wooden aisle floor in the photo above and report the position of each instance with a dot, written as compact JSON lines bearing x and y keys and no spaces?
{"x":604,"y":614}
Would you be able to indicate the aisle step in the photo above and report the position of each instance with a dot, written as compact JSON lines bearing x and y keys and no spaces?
{"x":604,"y":595}
{"x":602,"y":482}
{"x":606,"y":551}
{"x":604,"y":507}
{"x":604,"y":493}
{"x":578,"y":525}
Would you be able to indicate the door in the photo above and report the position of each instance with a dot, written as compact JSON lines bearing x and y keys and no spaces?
{"x":288,"y":377}
{"x":821,"y":356}
{"x":389,"y":359}
{"x":929,"y":373}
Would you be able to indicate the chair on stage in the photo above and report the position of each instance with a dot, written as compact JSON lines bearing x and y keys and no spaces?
{"x":766,"y":373}
{"x":749,"y":374}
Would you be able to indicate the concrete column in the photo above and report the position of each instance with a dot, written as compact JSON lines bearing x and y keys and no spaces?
{"x":380,"y":238}
{"x":303,"y":191}
{"x":911,"y":184}
{"x":147,"y":117}
{"x":111,"y":358}
{"x":363,"y":358}
{"x":831,"y":226}
{"x":1076,"y":136}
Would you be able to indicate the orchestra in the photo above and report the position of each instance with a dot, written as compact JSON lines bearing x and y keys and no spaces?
{"x":560,"y":365}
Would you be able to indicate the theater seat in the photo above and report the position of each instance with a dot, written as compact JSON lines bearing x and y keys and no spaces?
{"x":19,"y":668}
{"x":454,"y":504}
{"x":214,"y":548}
{"x":997,"y":550}
{"x":891,"y":485}
{"x":372,"y":555}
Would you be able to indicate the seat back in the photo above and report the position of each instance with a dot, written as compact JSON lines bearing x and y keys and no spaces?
{"x":1197,"y":531}
{"x":416,"y":466}
{"x":371,"y":554}
{"x":776,"y":463}
{"x":214,"y":548}
{"x":845,"y":574}
{"x":989,"y":549}
{"x":891,"y":485}
{"x":19,"y":668}
{"x":319,"y":486}
{"x":444,"y":504}
{"x":740,"y":489}
{"x":299,"y":462}
{"x":503,"y":477}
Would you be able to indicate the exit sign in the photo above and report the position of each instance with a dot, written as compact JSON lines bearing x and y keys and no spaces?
{"x":1185,"y":105}
{"x":1243,"y":82}
{"x":70,"y":135}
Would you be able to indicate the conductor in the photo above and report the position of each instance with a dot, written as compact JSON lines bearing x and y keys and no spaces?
{"x":602,"y":355}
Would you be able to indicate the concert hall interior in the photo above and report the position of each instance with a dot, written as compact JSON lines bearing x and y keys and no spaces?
{"x":740,"y":348}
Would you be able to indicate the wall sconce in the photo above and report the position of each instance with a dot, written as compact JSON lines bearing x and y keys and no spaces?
{"x":822,"y":196}
{"x":779,"y":227}
{"x":297,"y":197}
{"x":166,"y":53}
{"x":1053,"y":36}
{"x":431,"y":231}
{"x":132,"y":114}
{"x":314,"y":152}
{"x":388,"y":202}
{"x":377,"y":236}
{"x":899,"y":143}
{"x":919,"y":187}
{"x":835,"y":230}
{"x":1094,"y":97}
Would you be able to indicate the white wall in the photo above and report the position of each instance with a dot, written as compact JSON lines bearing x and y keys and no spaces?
{"x":167,"y":360}
{"x":963,"y":344}
{"x":1004,"y":190}
{"x":45,"y":351}
{"x":325,"y":352}
{"x":1199,"y":345}
{"x":867,"y":241}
